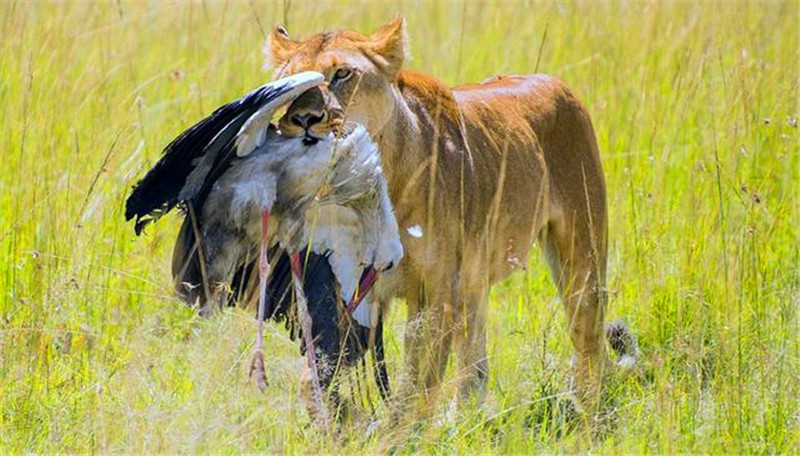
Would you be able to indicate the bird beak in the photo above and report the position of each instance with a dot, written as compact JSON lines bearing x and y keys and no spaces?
{"x":368,"y":279}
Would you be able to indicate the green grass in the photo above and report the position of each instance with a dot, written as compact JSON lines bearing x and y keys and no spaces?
{"x":695,"y":108}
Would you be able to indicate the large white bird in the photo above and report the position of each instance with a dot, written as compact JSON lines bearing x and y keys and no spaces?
{"x":246,"y":188}
{"x":330,"y":196}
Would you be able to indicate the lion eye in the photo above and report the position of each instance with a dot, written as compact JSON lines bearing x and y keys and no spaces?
{"x":342,"y":74}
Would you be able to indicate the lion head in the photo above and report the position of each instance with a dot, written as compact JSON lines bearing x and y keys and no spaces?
{"x":360,"y":72}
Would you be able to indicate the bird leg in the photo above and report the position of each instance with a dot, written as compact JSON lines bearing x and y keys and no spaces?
{"x":306,"y":325}
{"x":368,"y":280}
{"x":257,"y":368}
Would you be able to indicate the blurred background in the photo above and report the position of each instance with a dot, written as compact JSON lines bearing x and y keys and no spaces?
{"x":695,"y":106}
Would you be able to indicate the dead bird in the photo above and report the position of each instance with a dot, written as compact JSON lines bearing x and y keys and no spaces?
{"x":329,"y":197}
{"x":247,"y":190}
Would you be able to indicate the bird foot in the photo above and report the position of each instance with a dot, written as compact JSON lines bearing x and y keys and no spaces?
{"x":258,"y":372}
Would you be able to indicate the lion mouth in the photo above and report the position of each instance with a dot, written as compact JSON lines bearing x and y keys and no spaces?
{"x":309,"y":140}
{"x":340,"y":131}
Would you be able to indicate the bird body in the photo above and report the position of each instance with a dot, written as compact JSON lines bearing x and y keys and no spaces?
{"x":330,"y":196}
{"x":230,"y":172}
{"x":196,"y":158}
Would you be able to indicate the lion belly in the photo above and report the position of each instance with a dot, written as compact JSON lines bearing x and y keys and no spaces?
{"x":533,"y":138}
{"x":506,"y":120}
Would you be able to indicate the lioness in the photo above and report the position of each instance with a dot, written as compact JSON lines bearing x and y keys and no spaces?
{"x":477,"y":174}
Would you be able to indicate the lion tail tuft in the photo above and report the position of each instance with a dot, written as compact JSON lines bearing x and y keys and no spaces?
{"x":623,"y":342}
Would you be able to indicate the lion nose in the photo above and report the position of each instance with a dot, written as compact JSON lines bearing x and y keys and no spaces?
{"x":308,"y":119}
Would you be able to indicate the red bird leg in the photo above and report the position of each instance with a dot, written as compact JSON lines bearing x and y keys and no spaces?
{"x":367,"y":282}
{"x":306,"y":324}
{"x":257,"y":368}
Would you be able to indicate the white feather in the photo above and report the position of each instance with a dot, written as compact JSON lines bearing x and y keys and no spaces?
{"x":626,"y":362}
{"x":351,"y":219}
{"x":252,"y":134}
{"x":415,"y":231}
{"x":363,"y":313}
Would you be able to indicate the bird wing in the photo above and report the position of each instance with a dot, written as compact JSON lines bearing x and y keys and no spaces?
{"x":198,"y":156}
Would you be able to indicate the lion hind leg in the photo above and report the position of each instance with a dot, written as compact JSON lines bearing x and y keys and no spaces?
{"x":579,"y":272}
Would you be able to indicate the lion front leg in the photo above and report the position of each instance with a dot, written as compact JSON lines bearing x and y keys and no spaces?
{"x":473,"y":363}
{"x":428,"y":341}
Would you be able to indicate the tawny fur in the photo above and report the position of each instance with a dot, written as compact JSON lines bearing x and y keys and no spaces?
{"x":477,"y":174}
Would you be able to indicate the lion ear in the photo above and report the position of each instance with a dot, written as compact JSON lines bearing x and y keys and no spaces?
{"x":390,"y":43}
{"x":279,"y":48}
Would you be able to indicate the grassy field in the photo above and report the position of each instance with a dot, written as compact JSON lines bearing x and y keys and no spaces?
{"x":696,"y":111}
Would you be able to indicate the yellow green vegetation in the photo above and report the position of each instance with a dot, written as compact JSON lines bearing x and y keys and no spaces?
{"x":696,"y":111}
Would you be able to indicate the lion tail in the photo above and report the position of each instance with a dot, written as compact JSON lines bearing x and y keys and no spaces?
{"x":623,"y":342}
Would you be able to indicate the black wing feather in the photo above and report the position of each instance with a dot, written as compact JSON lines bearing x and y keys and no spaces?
{"x":208,"y":143}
